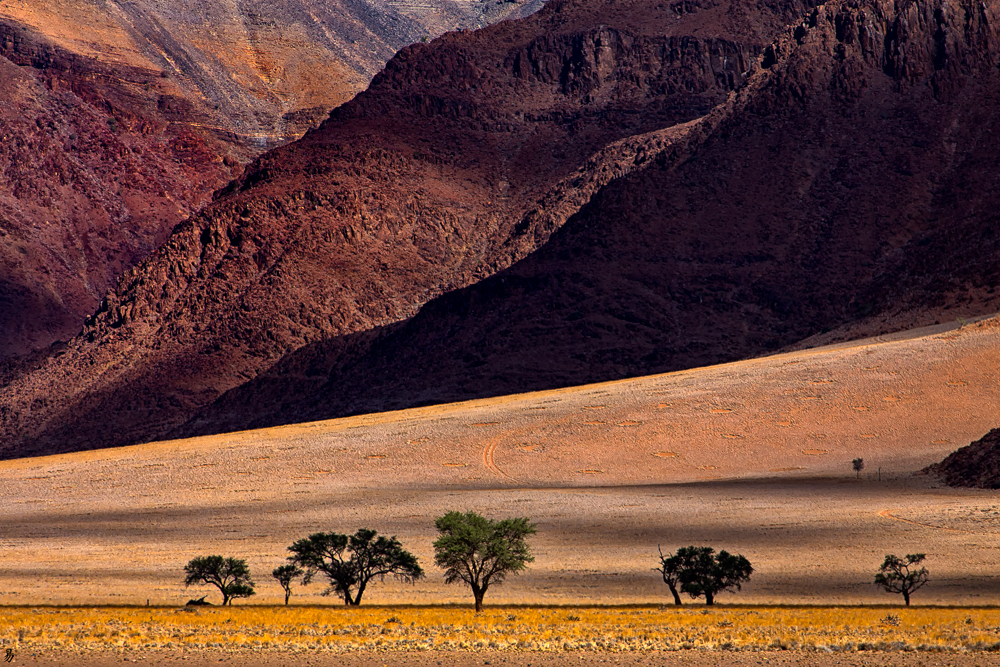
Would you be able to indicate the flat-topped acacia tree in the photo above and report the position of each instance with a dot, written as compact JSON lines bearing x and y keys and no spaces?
{"x":896,"y":575}
{"x":700,"y":571}
{"x":481,"y":551}
{"x":230,"y":575}
{"x":351,"y":562}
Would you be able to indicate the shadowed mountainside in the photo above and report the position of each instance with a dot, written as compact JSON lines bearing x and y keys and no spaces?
{"x":850,"y":188}
{"x":462,"y":157}
{"x":120,"y":119}
{"x":977,"y":465}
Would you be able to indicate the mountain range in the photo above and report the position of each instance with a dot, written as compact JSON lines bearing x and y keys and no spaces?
{"x":596,"y":191}
{"x":121,"y":118}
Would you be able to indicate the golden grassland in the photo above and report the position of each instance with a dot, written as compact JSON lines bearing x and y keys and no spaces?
{"x":509,"y":628}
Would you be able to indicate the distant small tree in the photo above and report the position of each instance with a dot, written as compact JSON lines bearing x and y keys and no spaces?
{"x":859,"y":465}
{"x":351,"y":562}
{"x":230,"y":575}
{"x":700,"y":571}
{"x":670,"y":568}
{"x":285,"y":575}
{"x":896,"y":575}
{"x":480,"y":551}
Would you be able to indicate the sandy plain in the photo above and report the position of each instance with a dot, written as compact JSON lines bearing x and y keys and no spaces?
{"x":753,"y":457}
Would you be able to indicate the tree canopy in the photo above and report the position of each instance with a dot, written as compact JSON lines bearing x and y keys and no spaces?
{"x":480,"y":551}
{"x":670,"y":568}
{"x":896,"y":575}
{"x":230,"y":575}
{"x":700,"y":571}
{"x":351,"y":562}
{"x":285,"y":575}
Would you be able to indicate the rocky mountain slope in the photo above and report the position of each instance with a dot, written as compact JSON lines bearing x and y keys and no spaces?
{"x":93,"y":175}
{"x":120,"y":119}
{"x":976,"y":465}
{"x":261,"y":71}
{"x":848,"y":188}
{"x":462,"y":157}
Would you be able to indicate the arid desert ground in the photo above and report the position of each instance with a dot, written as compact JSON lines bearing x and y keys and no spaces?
{"x":653,"y":659}
{"x":753,"y":457}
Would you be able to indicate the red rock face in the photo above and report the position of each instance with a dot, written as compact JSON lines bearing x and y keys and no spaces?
{"x":120,"y":120}
{"x":92,"y":178}
{"x":810,"y":199}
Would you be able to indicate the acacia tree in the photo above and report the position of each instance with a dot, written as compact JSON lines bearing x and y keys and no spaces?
{"x":230,"y":575}
{"x":859,"y":465}
{"x":285,"y":575}
{"x":670,"y":568}
{"x":480,"y":551}
{"x":895,"y":575}
{"x":350,"y":562}
{"x":700,"y":571}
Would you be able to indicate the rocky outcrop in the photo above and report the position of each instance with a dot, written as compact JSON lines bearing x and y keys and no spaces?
{"x":976,"y":465}
{"x":844,"y":186}
{"x":441,"y":173}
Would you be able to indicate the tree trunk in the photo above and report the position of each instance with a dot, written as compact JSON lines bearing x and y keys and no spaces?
{"x":287,"y":595}
{"x":906,"y":597}
{"x":677,"y":597}
{"x":361,"y":591}
{"x":478,"y":593}
{"x":709,"y":598}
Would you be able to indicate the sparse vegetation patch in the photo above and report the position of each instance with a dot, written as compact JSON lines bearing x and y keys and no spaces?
{"x":605,"y":629}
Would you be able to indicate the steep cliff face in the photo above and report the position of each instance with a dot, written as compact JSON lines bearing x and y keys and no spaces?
{"x":851,"y":184}
{"x":120,"y":119}
{"x":463,"y":156}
